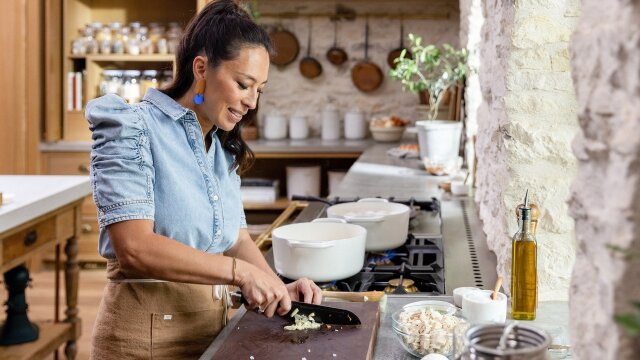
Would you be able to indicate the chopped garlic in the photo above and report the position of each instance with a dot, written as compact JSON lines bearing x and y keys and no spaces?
{"x":303,"y":322}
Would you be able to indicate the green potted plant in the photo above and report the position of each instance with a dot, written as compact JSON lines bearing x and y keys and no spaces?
{"x":434,"y":70}
{"x":431,"y":69}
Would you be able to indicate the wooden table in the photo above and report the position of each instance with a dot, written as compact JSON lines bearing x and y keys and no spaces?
{"x":45,"y":215}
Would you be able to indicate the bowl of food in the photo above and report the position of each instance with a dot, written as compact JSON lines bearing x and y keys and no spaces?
{"x":424,"y":328}
{"x":388,"y":128}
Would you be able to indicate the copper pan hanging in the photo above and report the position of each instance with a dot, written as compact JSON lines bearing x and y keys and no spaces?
{"x":336,"y":55}
{"x":395,"y":53}
{"x":310,"y":67}
{"x":366,"y":75}
{"x":285,"y":45}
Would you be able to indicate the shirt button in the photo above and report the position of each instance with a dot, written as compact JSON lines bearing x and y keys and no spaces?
{"x":215,"y":198}
{"x":218,"y":232}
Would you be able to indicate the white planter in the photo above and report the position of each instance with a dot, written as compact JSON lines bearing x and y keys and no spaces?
{"x":439,"y":140}
{"x":387,"y":223}
{"x":322,"y":250}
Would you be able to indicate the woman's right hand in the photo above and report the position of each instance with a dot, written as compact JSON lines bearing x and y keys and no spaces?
{"x":262,"y":291}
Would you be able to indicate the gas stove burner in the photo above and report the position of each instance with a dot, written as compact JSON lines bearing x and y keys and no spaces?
{"x":406,"y":286}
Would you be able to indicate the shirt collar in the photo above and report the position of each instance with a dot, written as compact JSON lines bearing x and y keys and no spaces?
{"x":166,"y":104}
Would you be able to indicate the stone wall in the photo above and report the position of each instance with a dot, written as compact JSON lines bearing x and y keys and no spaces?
{"x":605,"y":200}
{"x":289,"y":92}
{"x":526,"y":121}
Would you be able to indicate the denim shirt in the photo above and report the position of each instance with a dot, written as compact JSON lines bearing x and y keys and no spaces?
{"x":148,"y":161}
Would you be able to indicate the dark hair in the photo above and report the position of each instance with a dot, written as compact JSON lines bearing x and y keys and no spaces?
{"x":220,"y":30}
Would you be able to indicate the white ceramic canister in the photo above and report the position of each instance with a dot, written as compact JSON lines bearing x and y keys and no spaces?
{"x":303,"y":180}
{"x":298,"y":127}
{"x":330,"y":123}
{"x":355,"y":126}
{"x":275,"y":127}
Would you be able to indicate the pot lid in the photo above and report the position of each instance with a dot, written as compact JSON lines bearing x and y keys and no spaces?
{"x":366,"y":209}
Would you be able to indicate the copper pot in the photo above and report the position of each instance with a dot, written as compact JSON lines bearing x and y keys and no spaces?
{"x":285,"y":45}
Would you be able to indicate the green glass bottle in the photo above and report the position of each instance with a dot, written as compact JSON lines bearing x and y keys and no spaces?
{"x":524,"y":268}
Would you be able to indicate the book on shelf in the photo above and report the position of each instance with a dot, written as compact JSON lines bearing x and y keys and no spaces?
{"x":75,"y":91}
{"x":259,"y":190}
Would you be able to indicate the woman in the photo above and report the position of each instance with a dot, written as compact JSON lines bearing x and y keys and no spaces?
{"x":164,"y":176}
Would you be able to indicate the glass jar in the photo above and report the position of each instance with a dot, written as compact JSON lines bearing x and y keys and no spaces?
{"x":77,"y":44}
{"x":111,"y":82}
{"x":166,"y":79}
{"x":131,"y":91}
{"x":146,"y":47}
{"x":149,"y":80}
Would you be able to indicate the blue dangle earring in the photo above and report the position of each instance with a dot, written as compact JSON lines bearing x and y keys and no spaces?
{"x":198,"y":99}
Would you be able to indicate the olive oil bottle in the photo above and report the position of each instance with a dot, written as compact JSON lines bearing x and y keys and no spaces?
{"x":524,"y":269}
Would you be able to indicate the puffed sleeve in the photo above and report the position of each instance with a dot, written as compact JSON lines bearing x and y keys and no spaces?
{"x":122,"y":174}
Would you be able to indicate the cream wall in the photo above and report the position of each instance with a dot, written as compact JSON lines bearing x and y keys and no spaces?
{"x":526,"y":121}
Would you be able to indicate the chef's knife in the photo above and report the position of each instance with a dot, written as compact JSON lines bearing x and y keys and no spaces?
{"x":322,"y":314}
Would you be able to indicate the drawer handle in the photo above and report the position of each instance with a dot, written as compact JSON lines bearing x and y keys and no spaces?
{"x":83,"y":168}
{"x":30,"y":238}
{"x":86,"y":228}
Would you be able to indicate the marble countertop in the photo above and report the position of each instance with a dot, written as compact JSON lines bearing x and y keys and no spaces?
{"x":36,"y":195}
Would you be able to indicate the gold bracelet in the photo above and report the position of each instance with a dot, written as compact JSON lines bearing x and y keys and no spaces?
{"x":233,"y":272}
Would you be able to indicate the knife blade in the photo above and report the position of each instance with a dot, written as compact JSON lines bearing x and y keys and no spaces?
{"x":322,"y":314}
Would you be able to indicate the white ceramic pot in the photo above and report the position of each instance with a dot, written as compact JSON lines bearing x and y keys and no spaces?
{"x":439,"y":139}
{"x":387,"y":223}
{"x":275,"y":127}
{"x":355,"y":127}
{"x":330,"y":123}
{"x":322,"y":250}
{"x":298,"y":127}
{"x":303,"y":180}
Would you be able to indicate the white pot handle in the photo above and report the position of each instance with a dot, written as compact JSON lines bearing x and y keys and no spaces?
{"x":374,"y":200}
{"x":329,"y":220}
{"x":309,"y":244}
{"x":368,"y":219}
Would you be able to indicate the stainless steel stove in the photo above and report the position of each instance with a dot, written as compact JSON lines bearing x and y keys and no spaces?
{"x":416,"y":266}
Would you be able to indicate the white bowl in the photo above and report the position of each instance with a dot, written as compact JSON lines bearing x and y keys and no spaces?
{"x":458,"y":293}
{"x":479,"y":308}
{"x":387,"y":134}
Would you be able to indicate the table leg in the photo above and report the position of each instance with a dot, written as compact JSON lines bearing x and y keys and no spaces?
{"x":71,"y":276}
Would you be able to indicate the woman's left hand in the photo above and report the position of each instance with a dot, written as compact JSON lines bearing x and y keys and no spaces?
{"x":305,"y":290}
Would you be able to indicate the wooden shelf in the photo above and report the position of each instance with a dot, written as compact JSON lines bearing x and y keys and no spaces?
{"x":51,"y":336}
{"x":126,"y":57}
{"x":280,"y":204}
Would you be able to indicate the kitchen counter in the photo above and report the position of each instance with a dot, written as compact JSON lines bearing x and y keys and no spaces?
{"x":553,"y":317}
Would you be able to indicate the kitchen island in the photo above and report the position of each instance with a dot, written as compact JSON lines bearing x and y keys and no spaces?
{"x":44,"y":213}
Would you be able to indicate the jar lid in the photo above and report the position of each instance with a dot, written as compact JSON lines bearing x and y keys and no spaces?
{"x":132,"y":73}
{"x":150,"y":73}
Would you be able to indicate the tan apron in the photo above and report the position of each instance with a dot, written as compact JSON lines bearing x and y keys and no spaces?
{"x":151,"y":319}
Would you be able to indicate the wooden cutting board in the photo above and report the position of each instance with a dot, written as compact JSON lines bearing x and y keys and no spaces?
{"x":259,"y":338}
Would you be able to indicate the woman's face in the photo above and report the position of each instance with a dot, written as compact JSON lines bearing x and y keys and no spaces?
{"x":233,"y":87}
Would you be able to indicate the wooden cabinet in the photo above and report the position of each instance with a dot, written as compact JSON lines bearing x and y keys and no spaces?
{"x":63,"y":20}
{"x":77,"y":163}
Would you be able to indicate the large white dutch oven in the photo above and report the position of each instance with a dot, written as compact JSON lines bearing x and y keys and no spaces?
{"x":322,"y":250}
{"x":387,"y":223}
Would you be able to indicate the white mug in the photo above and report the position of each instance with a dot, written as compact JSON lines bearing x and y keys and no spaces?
{"x":330,"y":124}
{"x":275,"y":127}
{"x":298,"y":127}
{"x":354,"y":125}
